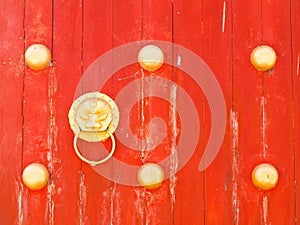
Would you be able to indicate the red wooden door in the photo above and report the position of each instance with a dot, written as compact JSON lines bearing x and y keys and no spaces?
{"x":207,"y":46}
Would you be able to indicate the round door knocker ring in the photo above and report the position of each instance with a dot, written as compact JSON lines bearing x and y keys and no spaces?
{"x":94,"y":163}
{"x":94,"y":117}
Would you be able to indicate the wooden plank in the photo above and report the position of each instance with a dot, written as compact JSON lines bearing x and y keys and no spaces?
{"x":95,"y":191}
{"x":277,"y":114}
{"x":158,"y":25}
{"x":216,"y":201}
{"x":67,"y":67}
{"x":141,"y":206}
{"x":220,"y":180}
{"x":189,"y":204}
{"x":295,"y":32}
{"x":36,"y":112}
{"x":262,"y":111}
{"x":11,"y":94}
{"x":246,"y":115}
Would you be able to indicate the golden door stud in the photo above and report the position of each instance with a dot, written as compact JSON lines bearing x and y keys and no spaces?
{"x":37,"y":57}
{"x":35,"y":176}
{"x":151,"y":57}
{"x":265,"y":176}
{"x":150,"y":176}
{"x":263,"y":57}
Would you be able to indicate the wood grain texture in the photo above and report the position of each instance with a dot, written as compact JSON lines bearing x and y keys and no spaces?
{"x":220,"y":177}
{"x":96,"y":193}
{"x":67,"y":70}
{"x":295,"y":48}
{"x":189,"y":196}
{"x":11,"y":94}
{"x":37,"y":112}
{"x":158,"y":25}
{"x":277,"y":113}
{"x":263,"y":111}
{"x":246,"y":116}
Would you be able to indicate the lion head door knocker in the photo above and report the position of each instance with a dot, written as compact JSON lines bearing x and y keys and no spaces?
{"x":94,"y":117}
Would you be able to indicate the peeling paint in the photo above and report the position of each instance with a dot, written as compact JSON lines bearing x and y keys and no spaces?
{"x":51,"y":187}
{"x":82,"y":198}
{"x":104,"y":212}
{"x":179,"y":60}
{"x":129,"y":77}
{"x":235,"y":165}
{"x":144,"y":145}
{"x":264,"y":126}
{"x":139,"y":203}
{"x":226,"y":182}
{"x":51,"y":144}
{"x":112,"y":206}
{"x":265,"y":210}
{"x":298,"y":62}
{"x":174,"y":158}
{"x":20,"y":198}
{"x":115,"y":208}
{"x":224,"y":17}
{"x":151,"y":199}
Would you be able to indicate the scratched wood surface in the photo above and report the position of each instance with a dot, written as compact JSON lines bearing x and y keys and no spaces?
{"x":263,"y":111}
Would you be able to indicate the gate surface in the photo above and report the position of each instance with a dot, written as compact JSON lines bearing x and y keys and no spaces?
{"x":262,"y":111}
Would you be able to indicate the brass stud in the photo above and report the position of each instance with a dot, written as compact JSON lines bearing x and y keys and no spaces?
{"x":150,"y":176}
{"x":35,"y":176}
{"x":151,"y":57}
{"x":37,"y":56}
{"x":263,"y":58}
{"x":265,"y":176}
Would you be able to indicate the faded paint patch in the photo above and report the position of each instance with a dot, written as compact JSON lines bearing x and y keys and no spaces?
{"x":234,"y":127}
{"x":298,"y":62}
{"x":139,"y":203}
{"x":174,"y":157}
{"x":82,"y":198}
{"x":179,"y":60}
{"x":51,"y":188}
{"x":38,"y":30}
{"x":265,"y":210}
{"x":264,"y":127}
{"x":130,"y":76}
{"x":105,"y":214}
{"x":19,"y":190}
{"x":115,"y":206}
{"x":224,"y":17}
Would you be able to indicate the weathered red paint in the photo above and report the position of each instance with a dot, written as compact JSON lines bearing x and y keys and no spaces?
{"x":11,"y":92}
{"x":262,"y":111}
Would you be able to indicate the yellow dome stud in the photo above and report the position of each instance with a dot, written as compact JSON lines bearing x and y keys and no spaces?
{"x":151,"y":57}
{"x":35,"y":176}
{"x":37,"y":56}
{"x":265,"y":176}
{"x":263,"y":57}
{"x":150,"y":176}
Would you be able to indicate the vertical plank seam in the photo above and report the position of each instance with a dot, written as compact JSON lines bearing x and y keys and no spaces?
{"x":51,"y":90}
{"x":112,"y":65}
{"x":233,"y":123}
{"x":264,"y":216}
{"x":143,"y":200}
{"x":20,"y":197}
{"x":203,"y":115}
{"x":81,"y":68}
{"x":173,"y":119}
{"x":293,"y":112}
{"x":142,"y":30}
{"x":261,"y":23}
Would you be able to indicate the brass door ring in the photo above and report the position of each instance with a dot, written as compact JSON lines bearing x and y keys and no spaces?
{"x":94,"y":163}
